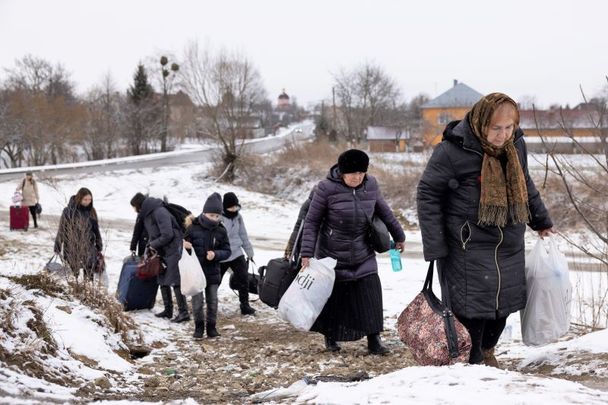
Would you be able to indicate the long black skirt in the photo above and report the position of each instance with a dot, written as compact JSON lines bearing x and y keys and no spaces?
{"x":354,"y":310}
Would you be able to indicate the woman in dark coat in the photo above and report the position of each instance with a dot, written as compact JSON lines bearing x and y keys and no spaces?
{"x":293,"y":247}
{"x":474,"y":199}
{"x":337,"y":226}
{"x":209,"y":239}
{"x":78,"y":236}
{"x":165,"y":236}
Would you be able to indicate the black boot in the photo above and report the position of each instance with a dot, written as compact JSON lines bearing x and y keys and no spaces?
{"x":165,"y":292}
{"x":247,"y":310}
{"x":331,"y":345}
{"x":375,"y":346}
{"x":199,"y":330}
{"x":182,"y":306}
{"x":245,"y":307}
{"x":211,"y":331}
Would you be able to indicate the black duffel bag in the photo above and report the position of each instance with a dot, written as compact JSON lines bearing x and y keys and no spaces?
{"x":253,"y":281}
{"x":276,"y":277}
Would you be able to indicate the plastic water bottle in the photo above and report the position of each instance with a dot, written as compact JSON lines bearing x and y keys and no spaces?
{"x":395,"y":257}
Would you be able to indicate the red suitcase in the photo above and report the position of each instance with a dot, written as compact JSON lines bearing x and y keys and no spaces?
{"x":20,"y":217}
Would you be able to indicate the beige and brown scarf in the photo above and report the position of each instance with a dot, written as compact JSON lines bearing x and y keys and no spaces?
{"x":504,"y":196}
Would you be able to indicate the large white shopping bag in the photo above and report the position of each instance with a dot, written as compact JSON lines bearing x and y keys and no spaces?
{"x":546,"y":317}
{"x":308,"y":293}
{"x":191,"y":274}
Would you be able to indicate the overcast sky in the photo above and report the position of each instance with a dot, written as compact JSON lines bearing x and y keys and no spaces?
{"x":540,"y":48}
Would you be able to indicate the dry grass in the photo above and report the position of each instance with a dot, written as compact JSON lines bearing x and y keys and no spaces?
{"x":44,"y":282}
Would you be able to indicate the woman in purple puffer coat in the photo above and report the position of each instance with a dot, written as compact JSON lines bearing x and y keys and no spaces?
{"x":337,"y":226}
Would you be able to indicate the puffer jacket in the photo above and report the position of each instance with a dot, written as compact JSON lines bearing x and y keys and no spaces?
{"x":206,"y":235}
{"x":337,"y":225}
{"x":164,"y":235}
{"x":483,"y":266}
{"x":237,"y":233}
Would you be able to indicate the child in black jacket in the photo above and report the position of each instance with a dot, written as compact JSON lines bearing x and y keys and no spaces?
{"x":209,"y":239}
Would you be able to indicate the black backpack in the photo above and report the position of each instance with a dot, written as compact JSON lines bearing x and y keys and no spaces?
{"x":179,"y":213}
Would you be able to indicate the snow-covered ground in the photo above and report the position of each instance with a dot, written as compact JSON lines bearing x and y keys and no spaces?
{"x":269,"y":221}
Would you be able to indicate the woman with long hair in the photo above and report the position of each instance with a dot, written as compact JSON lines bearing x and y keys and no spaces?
{"x":78,"y":237}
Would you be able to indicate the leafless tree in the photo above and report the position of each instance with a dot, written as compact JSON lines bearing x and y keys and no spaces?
{"x":227,"y":87}
{"x":586,"y":188}
{"x":105,"y":120}
{"x":367,"y":94}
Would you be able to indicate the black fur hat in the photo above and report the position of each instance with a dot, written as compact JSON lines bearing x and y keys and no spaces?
{"x":352,"y":161}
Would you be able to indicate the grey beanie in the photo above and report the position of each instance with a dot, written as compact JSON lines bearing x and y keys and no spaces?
{"x":213,"y":205}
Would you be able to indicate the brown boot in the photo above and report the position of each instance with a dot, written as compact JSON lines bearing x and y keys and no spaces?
{"x":489,"y":359}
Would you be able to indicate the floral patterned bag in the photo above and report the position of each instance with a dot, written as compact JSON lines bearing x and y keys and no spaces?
{"x":428,"y":327}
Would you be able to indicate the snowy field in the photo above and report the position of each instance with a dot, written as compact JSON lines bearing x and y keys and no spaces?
{"x":269,"y":221}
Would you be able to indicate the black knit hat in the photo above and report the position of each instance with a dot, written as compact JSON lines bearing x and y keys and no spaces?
{"x":230,"y":200}
{"x":353,"y":160}
{"x":138,"y":200}
{"x":213,"y":205}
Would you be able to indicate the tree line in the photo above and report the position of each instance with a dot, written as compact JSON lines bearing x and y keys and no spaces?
{"x":44,"y":121}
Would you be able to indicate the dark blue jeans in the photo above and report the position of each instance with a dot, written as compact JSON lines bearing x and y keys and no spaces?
{"x":210,"y":297}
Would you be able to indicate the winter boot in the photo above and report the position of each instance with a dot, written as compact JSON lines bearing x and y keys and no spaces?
{"x":375,"y":346}
{"x":489,"y":359}
{"x":331,"y":345}
{"x":247,"y":310}
{"x":182,"y":306}
{"x":211,"y":331}
{"x":165,"y":292}
{"x":199,"y":330}
{"x":245,"y":307}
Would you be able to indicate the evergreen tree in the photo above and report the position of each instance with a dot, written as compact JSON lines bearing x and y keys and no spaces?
{"x":144,"y":113}
{"x":141,"y":89}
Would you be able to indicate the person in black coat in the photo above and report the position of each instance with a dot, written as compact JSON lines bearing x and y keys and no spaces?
{"x":337,"y":226}
{"x":293,"y":244}
{"x":474,"y":200}
{"x":139,"y":240}
{"x":209,"y":239}
{"x":165,"y":237}
{"x":78,"y":236}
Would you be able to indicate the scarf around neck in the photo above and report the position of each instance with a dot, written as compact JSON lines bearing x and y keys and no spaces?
{"x":504,"y":195}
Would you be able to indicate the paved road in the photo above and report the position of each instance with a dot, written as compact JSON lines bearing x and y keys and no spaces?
{"x":296,"y":133}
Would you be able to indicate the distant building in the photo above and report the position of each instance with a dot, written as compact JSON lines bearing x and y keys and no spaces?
{"x":448,"y":106}
{"x":182,"y":115}
{"x":551,"y":130}
{"x":387,"y":139}
{"x":283,"y":102}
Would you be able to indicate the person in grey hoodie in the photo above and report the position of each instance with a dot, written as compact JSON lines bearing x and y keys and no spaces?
{"x":239,"y":242}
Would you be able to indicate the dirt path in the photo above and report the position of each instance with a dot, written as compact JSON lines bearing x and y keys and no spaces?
{"x":253,"y":354}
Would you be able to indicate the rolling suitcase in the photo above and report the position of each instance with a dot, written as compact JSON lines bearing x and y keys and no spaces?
{"x":133,"y":292}
{"x":19,"y":217}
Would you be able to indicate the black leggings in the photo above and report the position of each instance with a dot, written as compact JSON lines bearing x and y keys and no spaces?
{"x":484,"y":335}
{"x":240,"y":268}
{"x":33,"y":212}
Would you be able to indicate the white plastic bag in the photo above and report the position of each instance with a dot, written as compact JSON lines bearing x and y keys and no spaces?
{"x":191,"y":274}
{"x":305,"y":298}
{"x":102,"y":279}
{"x":17,"y":198}
{"x":546,"y":317}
